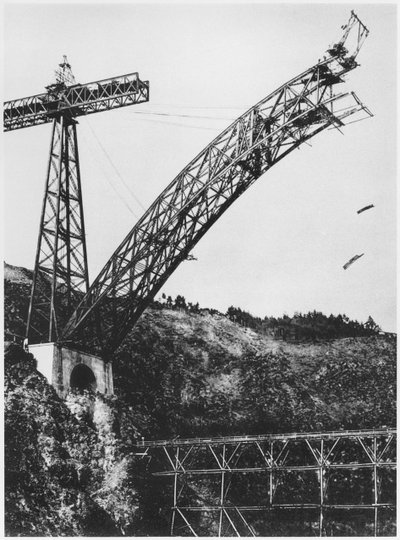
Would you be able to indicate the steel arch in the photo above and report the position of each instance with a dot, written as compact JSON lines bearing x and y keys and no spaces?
{"x":206,"y":187}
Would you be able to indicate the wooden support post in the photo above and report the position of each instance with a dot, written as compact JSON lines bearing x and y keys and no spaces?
{"x":222,"y":493}
{"x":271,"y":478}
{"x":175,"y":502}
{"x":321,"y":489}
{"x":375,"y":473}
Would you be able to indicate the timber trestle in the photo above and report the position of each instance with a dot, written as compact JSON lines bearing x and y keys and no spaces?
{"x":336,"y":483}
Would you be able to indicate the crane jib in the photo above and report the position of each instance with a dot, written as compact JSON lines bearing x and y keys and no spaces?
{"x":76,"y":100}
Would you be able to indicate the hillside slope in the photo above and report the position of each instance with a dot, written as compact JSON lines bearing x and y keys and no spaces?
{"x":194,"y":374}
{"x":71,"y":468}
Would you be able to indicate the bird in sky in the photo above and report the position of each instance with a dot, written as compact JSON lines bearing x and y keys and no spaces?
{"x":365,"y":208}
{"x":352,"y":260}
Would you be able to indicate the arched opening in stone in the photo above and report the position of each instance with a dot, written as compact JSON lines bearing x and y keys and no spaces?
{"x":82,"y":378}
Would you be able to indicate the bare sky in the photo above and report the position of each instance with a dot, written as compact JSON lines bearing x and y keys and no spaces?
{"x":281,"y":247}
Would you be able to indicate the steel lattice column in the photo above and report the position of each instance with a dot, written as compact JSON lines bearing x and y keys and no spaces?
{"x":60,"y":275}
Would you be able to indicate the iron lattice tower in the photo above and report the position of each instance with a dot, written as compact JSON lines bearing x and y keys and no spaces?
{"x":61,"y":274}
{"x":60,"y":278}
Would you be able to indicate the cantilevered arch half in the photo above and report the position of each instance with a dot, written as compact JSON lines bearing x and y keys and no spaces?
{"x":207,"y":186}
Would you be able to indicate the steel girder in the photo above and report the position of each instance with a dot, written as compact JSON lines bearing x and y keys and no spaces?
{"x":234,"y":486}
{"x":60,"y":276}
{"x":206,"y":187}
{"x":77,"y":100}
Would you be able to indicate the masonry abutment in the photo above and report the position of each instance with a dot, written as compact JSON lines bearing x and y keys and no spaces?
{"x":66,"y":369}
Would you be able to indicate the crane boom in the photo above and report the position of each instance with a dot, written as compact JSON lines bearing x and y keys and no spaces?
{"x":76,"y":100}
{"x":205,"y":188}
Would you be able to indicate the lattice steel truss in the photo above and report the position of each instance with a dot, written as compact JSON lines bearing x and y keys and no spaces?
{"x":60,"y":277}
{"x":61,"y":274}
{"x":211,"y":182}
{"x":76,"y":100}
{"x":213,"y":480}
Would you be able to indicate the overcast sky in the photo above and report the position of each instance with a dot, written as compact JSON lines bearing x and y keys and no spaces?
{"x":281,"y":247}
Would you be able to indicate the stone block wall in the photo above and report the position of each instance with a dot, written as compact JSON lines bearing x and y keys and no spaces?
{"x":56,"y":363}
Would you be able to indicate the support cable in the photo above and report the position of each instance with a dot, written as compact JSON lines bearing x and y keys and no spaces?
{"x":114,"y":166}
{"x":109,"y":182}
{"x":166,"y":122}
{"x":199,"y":107}
{"x":202,"y":117}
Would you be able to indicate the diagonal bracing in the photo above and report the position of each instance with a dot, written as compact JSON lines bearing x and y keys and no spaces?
{"x":326,"y":476}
